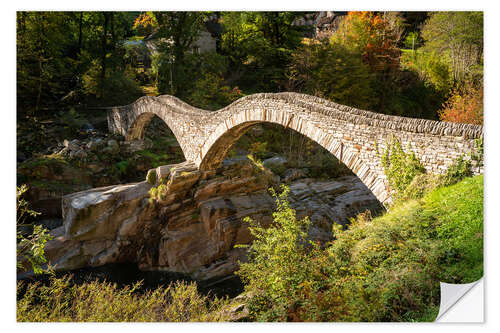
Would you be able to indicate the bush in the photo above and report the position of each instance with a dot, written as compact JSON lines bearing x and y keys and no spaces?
{"x":421,"y":185}
{"x":151,"y":177}
{"x":117,"y":88}
{"x":459,"y":170}
{"x":400,"y":167}
{"x":30,"y":248}
{"x":279,"y":262}
{"x":465,"y":105}
{"x":95,"y":301}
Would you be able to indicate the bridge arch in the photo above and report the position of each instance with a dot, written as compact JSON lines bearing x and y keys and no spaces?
{"x":224,"y":136}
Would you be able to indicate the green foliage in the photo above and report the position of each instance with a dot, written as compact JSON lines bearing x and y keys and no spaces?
{"x":176,"y":33}
{"x":55,"y":50}
{"x":478,"y":154}
{"x":421,"y":185}
{"x":71,"y":120}
{"x":208,"y":88}
{"x":412,"y":40}
{"x":279,"y":261}
{"x":457,"y":36}
{"x":460,"y":169}
{"x":115,"y":88}
{"x":22,"y":206}
{"x":153,"y":194}
{"x":430,"y":67}
{"x":400,"y":167}
{"x":332,"y":71}
{"x":259,"y":45}
{"x":258,"y":149}
{"x":385,"y":269}
{"x":122,"y":167}
{"x":30,"y":248}
{"x":359,"y":65}
{"x":151,"y":177}
{"x":95,"y":301}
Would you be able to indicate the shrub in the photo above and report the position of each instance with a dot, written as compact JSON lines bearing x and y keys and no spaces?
{"x":400,"y":167}
{"x":117,"y":87}
{"x":478,"y":155}
{"x":151,"y":177}
{"x":258,"y":149}
{"x":459,"y":170}
{"x":385,"y":269}
{"x":279,"y":261}
{"x":30,"y":248}
{"x":465,"y":105}
{"x":421,"y":185}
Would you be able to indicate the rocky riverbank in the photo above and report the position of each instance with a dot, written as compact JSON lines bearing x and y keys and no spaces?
{"x":184,"y":220}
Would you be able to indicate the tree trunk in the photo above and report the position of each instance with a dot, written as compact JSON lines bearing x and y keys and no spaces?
{"x":80,"y":32}
{"x":40,"y":63}
{"x":103,"y":53}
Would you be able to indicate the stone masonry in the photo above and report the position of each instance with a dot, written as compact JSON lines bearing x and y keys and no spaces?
{"x":350,"y":134}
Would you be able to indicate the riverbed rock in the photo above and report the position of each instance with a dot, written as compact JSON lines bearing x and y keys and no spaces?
{"x":136,"y":145}
{"x":293,"y":174}
{"x":113,"y":145}
{"x":274,"y":161}
{"x":95,"y":144}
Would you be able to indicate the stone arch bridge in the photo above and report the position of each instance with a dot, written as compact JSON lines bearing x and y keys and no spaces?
{"x":348,"y":133}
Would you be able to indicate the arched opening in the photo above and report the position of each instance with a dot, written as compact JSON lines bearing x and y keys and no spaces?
{"x":321,"y":186}
{"x":151,"y":144}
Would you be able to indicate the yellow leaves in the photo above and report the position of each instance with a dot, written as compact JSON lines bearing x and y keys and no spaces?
{"x":144,"y":20}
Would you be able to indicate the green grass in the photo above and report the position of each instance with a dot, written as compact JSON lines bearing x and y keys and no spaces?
{"x":399,"y":259}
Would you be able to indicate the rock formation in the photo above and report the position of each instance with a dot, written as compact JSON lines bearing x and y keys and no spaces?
{"x":191,"y":220}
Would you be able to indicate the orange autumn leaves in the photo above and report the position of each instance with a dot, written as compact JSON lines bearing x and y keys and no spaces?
{"x":464,"y":106}
{"x":373,"y":36}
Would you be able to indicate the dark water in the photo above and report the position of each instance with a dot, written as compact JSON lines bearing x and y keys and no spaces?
{"x":128,"y":274}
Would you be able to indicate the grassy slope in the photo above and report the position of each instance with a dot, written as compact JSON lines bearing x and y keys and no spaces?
{"x":389,"y":268}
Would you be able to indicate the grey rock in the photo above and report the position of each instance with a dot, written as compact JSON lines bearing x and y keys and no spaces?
{"x":113,"y":144}
{"x":72,"y":145}
{"x":293,"y":174}
{"x":274,"y":161}
{"x":80,"y":154}
{"x":137,"y":145}
{"x":95,"y":144}
{"x":194,"y":229}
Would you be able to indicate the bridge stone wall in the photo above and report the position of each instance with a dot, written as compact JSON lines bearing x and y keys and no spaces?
{"x":348,"y":133}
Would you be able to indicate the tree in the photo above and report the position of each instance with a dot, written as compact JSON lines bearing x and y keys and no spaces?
{"x":259,"y":46}
{"x":61,"y":54}
{"x":459,"y":36}
{"x":42,"y":67}
{"x":331,"y":71}
{"x":175,"y":34}
{"x":465,"y":105}
{"x":375,"y":37}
